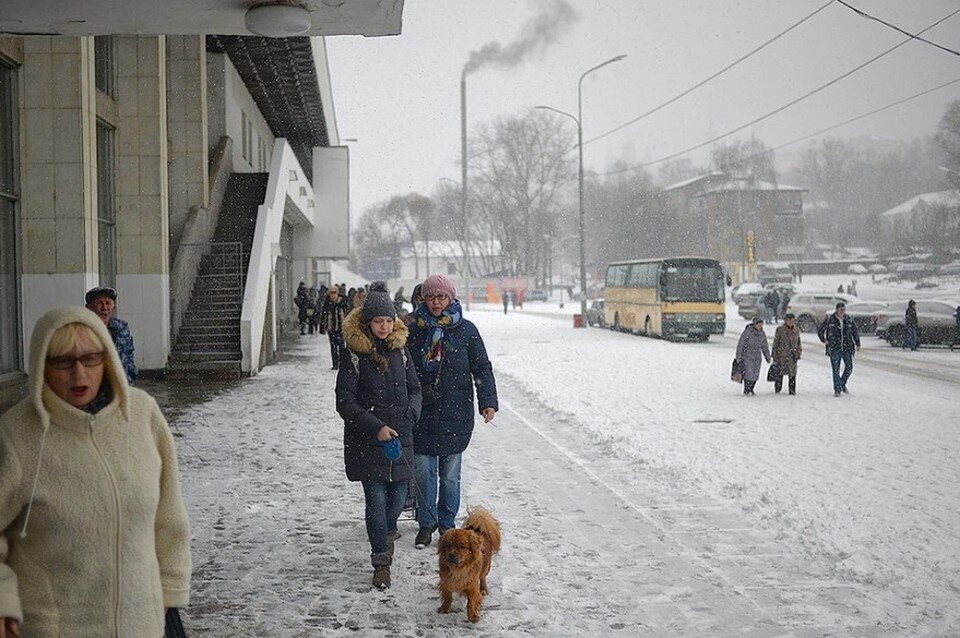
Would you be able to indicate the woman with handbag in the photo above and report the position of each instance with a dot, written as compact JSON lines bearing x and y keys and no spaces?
{"x":451,"y":360}
{"x":787,"y":349}
{"x":751,"y":350}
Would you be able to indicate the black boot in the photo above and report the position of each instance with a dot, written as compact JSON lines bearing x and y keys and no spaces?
{"x":381,"y":569}
{"x":778,"y":385}
{"x":424,"y":537}
{"x":792,"y":385}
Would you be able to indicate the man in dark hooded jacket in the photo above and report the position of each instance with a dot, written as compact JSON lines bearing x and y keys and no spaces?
{"x":842,"y":338}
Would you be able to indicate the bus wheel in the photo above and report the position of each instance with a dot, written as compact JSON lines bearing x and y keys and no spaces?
{"x":647,"y":327}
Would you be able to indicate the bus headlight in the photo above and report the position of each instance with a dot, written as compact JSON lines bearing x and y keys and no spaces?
{"x":721,"y":316}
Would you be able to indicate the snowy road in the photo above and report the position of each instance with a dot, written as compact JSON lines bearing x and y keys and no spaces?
{"x":639,"y":495}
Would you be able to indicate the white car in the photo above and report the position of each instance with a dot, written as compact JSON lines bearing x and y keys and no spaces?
{"x":857,"y":269}
{"x":811,"y":308}
{"x":877,"y":269}
{"x":748,"y":288}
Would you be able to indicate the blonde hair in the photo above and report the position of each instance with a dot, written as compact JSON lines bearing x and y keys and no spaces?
{"x":64,"y":340}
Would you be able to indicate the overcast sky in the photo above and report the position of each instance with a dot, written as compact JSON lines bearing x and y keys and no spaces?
{"x":399,"y":96}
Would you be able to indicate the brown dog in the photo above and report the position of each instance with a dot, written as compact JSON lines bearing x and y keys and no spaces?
{"x":465,"y":558}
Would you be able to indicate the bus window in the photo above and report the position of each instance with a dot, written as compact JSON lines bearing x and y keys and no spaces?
{"x":691,"y":283}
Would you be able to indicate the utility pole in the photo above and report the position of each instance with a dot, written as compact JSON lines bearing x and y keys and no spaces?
{"x":463,"y":177}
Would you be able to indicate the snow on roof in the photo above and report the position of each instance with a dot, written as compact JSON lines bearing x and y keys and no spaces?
{"x":939,"y":198}
{"x":452,"y":249}
{"x":743,"y":184}
{"x":340,"y":273}
{"x":693,"y":180}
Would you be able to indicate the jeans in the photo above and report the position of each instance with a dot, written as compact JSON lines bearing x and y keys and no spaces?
{"x":383,"y":504}
{"x":434,"y":511}
{"x":840,"y":380}
{"x":336,"y":340}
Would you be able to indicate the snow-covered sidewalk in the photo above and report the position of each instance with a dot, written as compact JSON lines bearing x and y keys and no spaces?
{"x":601,"y":536}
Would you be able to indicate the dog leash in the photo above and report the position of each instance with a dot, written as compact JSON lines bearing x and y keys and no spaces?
{"x":416,"y":486}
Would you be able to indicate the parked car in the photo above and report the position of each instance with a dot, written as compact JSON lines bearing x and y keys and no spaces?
{"x":877,"y":269}
{"x":749,"y":304}
{"x":935,"y":316}
{"x":595,"y":314}
{"x":857,"y":269}
{"x":866,"y":314}
{"x":749,"y":287}
{"x":949,"y":269}
{"x":811,"y":308}
{"x":536,"y":295}
{"x":912,"y":271}
{"x":774,"y":273}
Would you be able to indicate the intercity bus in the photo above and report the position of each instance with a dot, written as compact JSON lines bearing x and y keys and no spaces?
{"x":676,"y":297}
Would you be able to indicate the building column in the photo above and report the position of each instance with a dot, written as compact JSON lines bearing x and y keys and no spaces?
{"x":143,"y":245}
{"x":57,"y":175}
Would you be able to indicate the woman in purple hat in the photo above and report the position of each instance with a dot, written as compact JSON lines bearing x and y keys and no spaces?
{"x":451,"y":360}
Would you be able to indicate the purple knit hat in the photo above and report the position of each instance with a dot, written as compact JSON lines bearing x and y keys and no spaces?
{"x":438,"y":284}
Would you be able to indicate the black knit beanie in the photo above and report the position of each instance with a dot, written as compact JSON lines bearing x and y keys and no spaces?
{"x":378,"y":303}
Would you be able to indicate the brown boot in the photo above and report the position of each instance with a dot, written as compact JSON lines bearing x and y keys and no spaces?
{"x":381,"y":569}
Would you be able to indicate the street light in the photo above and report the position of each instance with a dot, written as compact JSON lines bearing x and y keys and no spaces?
{"x":583,"y":232}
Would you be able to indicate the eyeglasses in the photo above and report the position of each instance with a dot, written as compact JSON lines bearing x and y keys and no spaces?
{"x":441,"y":297}
{"x":90,"y":360}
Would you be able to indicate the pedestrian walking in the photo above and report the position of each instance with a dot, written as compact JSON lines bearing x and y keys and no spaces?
{"x":787,"y":350}
{"x":751,"y":350}
{"x":772,"y":304}
{"x":842,"y":339}
{"x":399,"y":301}
{"x":506,"y":300}
{"x":378,"y":396}
{"x":332,"y":313}
{"x":912,"y":338}
{"x":360,"y":298}
{"x":301,"y":301}
{"x":102,"y":300}
{"x":451,"y":361}
{"x":313,"y":319}
{"x":94,"y":535}
{"x":416,"y":300}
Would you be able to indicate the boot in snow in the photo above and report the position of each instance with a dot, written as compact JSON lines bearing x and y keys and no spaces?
{"x":381,"y":569}
{"x":424,"y":537}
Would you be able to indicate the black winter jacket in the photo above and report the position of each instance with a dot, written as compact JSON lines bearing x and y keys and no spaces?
{"x":843,"y":337}
{"x":332,"y":314}
{"x":368,"y":399}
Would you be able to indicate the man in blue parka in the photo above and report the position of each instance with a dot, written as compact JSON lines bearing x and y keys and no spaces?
{"x":102,"y":300}
{"x":451,"y":360}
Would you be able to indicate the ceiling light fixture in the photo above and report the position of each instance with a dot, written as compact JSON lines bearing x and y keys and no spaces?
{"x":278,"y":20}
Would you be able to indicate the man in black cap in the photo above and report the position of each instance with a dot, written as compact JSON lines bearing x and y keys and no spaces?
{"x":102,"y":300}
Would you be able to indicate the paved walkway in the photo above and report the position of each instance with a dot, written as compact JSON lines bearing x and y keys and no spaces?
{"x":593,"y":545}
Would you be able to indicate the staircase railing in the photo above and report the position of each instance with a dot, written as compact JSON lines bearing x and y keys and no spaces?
{"x":287,"y":184}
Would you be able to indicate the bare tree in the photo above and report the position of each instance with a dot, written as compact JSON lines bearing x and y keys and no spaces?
{"x":948,"y":137}
{"x":751,"y":159}
{"x":522,"y":168}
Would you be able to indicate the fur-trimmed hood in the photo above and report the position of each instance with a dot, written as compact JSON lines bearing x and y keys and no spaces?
{"x":360,"y":344}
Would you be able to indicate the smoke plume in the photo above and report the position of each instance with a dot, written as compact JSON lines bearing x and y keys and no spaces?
{"x":536,"y":34}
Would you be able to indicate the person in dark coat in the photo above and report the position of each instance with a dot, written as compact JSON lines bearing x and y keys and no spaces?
{"x":416,"y":300}
{"x":332,"y":313}
{"x":956,"y":330}
{"x":842,"y":339}
{"x":313,"y":311}
{"x":378,"y":396}
{"x":787,"y":349}
{"x":772,"y":305}
{"x":912,"y":338}
{"x":451,"y":360}
{"x":751,"y":350}
{"x":399,"y":301}
{"x":506,"y":300}
{"x":302,"y":304}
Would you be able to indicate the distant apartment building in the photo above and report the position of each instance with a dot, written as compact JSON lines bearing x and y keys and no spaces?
{"x":201,"y":176}
{"x":732,"y":218}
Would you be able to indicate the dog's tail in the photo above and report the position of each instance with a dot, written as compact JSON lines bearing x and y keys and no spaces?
{"x":482,"y":521}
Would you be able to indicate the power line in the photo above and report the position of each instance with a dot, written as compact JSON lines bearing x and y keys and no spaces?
{"x":864,"y":14}
{"x":860,"y":117}
{"x":712,"y":77}
{"x":781,"y":108}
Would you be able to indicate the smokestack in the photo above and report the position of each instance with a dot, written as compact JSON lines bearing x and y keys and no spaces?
{"x":536,"y":34}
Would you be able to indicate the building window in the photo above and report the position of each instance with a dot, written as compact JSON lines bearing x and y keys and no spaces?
{"x":10,"y":360}
{"x":103,"y":63}
{"x":106,"y":204}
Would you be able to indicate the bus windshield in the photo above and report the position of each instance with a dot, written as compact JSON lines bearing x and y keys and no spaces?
{"x":691,"y":283}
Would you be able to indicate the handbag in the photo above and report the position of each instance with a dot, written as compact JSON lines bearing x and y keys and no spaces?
{"x":736,"y":375}
{"x":774,"y":373}
{"x":431,"y":392}
{"x":174,"y":626}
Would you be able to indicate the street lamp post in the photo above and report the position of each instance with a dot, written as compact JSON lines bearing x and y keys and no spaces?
{"x":583,"y":231}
